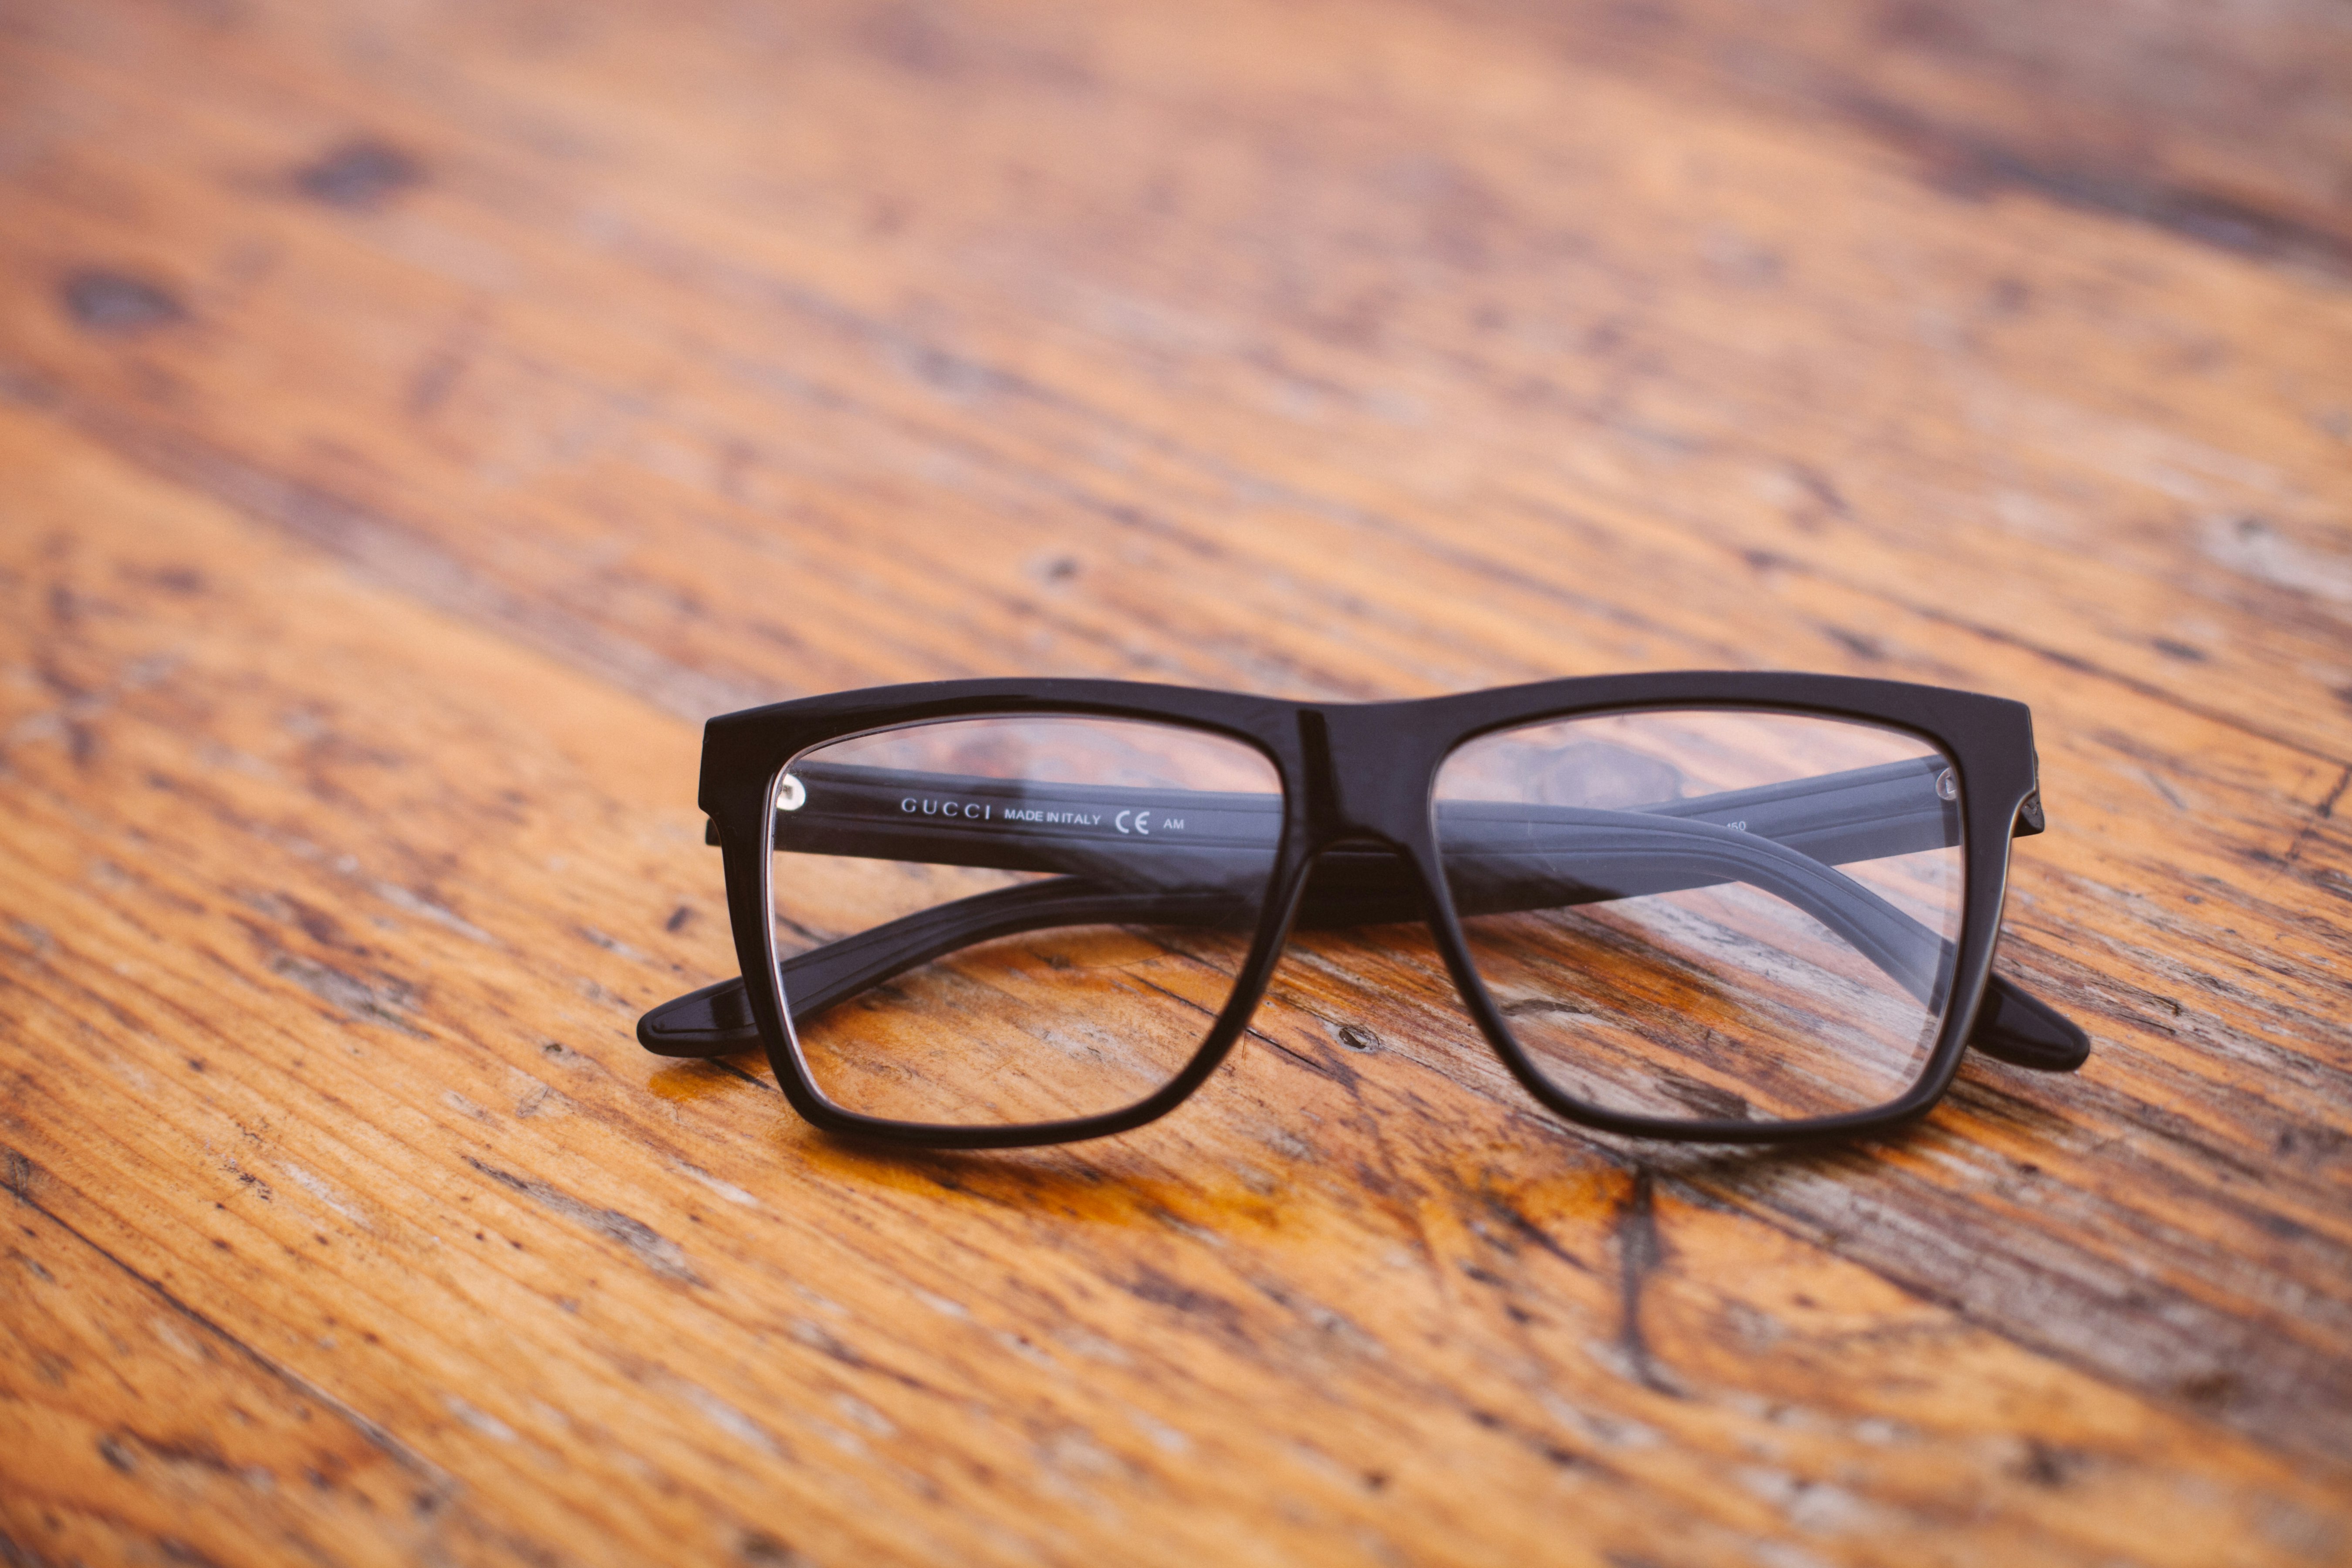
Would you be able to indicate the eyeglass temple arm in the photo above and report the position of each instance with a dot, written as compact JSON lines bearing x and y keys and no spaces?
{"x":1878,"y":812}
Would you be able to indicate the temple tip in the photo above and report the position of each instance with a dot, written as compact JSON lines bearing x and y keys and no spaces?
{"x":715,"y":1021}
{"x":2025,"y":1031}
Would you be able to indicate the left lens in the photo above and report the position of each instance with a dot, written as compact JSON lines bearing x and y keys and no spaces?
{"x":1704,"y":915}
{"x":1012,"y":921}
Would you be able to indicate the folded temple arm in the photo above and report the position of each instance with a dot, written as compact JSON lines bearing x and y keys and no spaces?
{"x":1197,"y":858}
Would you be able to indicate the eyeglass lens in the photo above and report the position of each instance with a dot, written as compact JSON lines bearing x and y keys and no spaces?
{"x":1704,"y":915}
{"x":1063,"y":904}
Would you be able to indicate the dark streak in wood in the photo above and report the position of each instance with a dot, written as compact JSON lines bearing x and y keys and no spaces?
{"x":359,"y":175}
{"x":1973,"y":166}
{"x":649,"y":1246}
{"x":1639,"y":1251}
{"x":117,"y":303}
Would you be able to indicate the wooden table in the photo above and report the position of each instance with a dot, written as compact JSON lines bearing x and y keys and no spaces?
{"x":413,"y":421}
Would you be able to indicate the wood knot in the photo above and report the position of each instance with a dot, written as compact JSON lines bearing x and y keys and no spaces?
{"x":100,"y":301}
{"x":359,"y":175}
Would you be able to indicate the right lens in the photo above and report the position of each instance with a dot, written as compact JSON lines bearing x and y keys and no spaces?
{"x":1710,"y":914}
{"x":1005,"y":921}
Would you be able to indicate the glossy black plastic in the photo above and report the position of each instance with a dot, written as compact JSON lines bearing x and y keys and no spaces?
{"x":1357,"y":841}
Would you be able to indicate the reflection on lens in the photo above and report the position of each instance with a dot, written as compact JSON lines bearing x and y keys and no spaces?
{"x":1021,"y":919}
{"x":1710,"y":915}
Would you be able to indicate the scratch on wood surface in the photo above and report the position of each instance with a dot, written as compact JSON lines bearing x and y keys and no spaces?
{"x":649,"y":1246}
{"x":345,"y":993}
{"x":442,"y":1488}
{"x":480,"y":1420}
{"x":728,"y":1190}
{"x":400,"y":897}
{"x":325,"y":1194}
{"x":2259,"y":549}
{"x":2320,"y":816}
{"x":719,"y":1413}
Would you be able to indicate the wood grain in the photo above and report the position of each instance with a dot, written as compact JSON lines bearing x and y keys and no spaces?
{"x":413,"y":425}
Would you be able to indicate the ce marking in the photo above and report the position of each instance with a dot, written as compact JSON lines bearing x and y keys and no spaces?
{"x":1142,"y":822}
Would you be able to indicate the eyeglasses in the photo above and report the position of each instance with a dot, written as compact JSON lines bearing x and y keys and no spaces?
{"x":1723,"y":908}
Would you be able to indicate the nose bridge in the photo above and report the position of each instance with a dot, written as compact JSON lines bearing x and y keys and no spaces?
{"x":1366,"y":779}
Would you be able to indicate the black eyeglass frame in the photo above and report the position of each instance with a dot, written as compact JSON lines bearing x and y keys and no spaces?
{"x":1365,"y":775}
